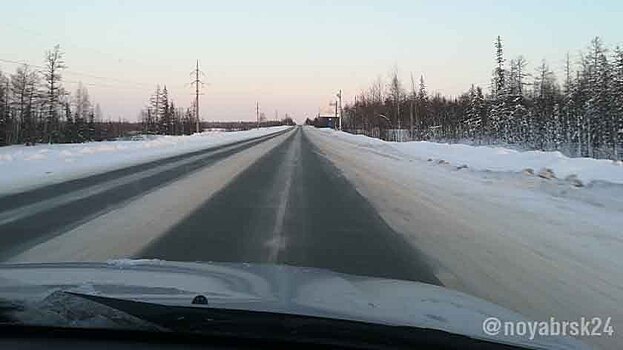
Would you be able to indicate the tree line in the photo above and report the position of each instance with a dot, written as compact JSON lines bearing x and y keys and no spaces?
{"x":583,"y":116}
{"x":162,"y":116}
{"x":36,"y":108}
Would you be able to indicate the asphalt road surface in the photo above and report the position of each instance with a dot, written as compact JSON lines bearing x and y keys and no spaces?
{"x":291,"y":206}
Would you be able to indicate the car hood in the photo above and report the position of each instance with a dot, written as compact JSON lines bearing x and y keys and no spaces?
{"x":272,"y":288}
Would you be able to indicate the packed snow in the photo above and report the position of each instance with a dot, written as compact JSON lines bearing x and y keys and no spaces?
{"x":26,"y":167}
{"x":540,"y":246}
{"x":499,"y":159}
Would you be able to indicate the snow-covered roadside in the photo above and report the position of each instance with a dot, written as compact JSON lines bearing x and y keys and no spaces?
{"x":23,"y":168}
{"x":494,"y":235}
{"x":490,"y":158}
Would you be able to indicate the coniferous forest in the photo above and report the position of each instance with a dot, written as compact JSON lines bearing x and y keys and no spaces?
{"x":579,"y":114}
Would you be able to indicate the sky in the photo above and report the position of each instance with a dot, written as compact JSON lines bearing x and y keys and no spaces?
{"x":290,"y":56}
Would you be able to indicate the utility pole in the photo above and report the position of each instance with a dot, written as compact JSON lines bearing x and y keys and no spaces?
{"x":334,"y":104}
{"x":412,"y":109}
{"x":257,"y":113}
{"x":355,"y":115}
{"x":196,"y":83}
{"x":339,"y":96}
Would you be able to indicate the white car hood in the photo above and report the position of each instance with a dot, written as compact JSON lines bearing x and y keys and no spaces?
{"x":273,"y":288}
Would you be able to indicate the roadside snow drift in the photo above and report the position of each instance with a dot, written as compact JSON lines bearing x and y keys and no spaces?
{"x":27,"y":167}
{"x":490,"y":158}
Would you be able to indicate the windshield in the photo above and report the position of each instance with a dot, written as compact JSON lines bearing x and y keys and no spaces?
{"x":474,"y":148}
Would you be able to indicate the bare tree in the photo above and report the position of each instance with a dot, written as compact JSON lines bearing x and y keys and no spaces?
{"x":82,"y":109}
{"x":54,"y":64}
{"x":23,"y":89}
{"x":412,"y":100}
{"x":5,"y":116}
{"x":395,"y":92}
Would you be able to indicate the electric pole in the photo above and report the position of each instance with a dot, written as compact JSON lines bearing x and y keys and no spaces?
{"x":355,"y":115}
{"x":339,"y":96}
{"x":257,"y":114}
{"x":334,"y":104}
{"x":196,"y":83}
{"x":412,"y":109}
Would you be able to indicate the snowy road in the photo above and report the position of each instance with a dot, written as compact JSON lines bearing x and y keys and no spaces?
{"x":30,"y":218}
{"x":312,"y":198}
{"x":541,"y":247}
{"x":293,"y":207}
{"x":273,"y":199}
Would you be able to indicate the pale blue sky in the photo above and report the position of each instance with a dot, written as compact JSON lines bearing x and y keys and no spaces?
{"x":291,"y":55}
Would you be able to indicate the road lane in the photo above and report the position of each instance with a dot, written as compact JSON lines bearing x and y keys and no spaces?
{"x":293,"y":207}
{"x":123,"y":231}
{"x":34,"y":217}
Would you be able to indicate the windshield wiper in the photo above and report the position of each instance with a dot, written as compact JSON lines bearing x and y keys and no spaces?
{"x":289,"y":328}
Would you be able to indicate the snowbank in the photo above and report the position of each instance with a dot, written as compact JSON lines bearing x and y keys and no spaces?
{"x":490,"y":158}
{"x":25,"y":167}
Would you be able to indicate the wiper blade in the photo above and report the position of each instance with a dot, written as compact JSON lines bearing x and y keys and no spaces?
{"x":290,"y":328}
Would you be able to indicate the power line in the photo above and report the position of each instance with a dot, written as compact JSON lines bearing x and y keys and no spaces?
{"x":101,"y":85}
{"x":65,"y":43}
{"x":72,"y":72}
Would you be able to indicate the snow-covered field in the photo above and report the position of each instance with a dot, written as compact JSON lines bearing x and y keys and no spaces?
{"x":542,"y":247}
{"x":25,"y":167}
